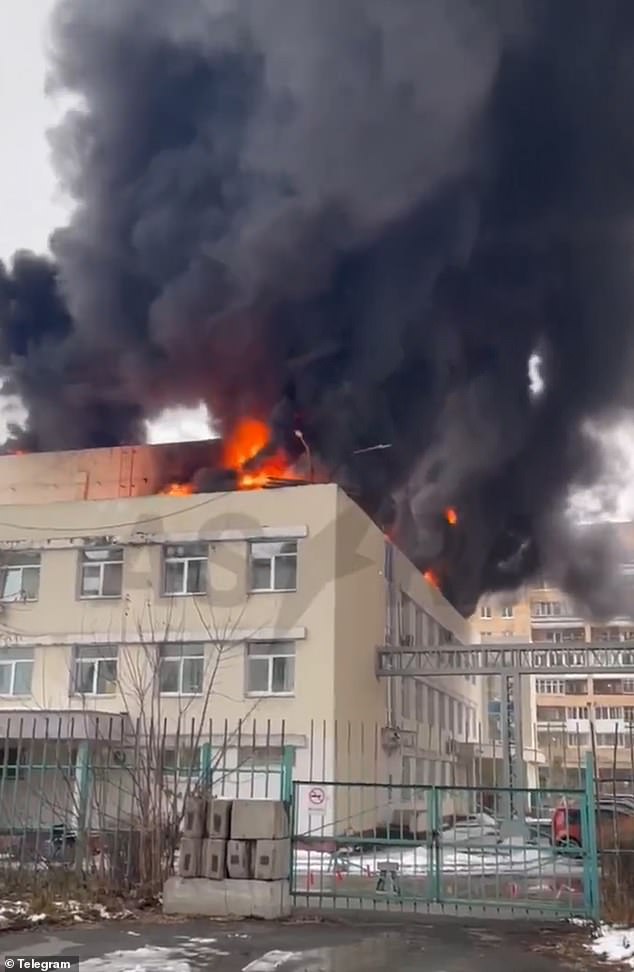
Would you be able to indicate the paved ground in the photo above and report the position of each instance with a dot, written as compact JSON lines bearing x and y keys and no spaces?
{"x":362,"y":945}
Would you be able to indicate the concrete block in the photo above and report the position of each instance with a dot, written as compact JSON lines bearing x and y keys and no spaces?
{"x":227,"y":898}
{"x":259,"y":820}
{"x":195,"y":896}
{"x":219,"y":818}
{"x":272,"y":859}
{"x":258,"y":899}
{"x":214,"y":859}
{"x":239,"y":857}
{"x":189,"y":857}
{"x":194,"y":817}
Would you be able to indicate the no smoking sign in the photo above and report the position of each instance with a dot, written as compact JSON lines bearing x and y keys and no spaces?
{"x":317,"y":796}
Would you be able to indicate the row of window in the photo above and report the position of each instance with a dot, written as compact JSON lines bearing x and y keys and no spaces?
{"x":181,"y":668}
{"x":272,"y":567}
{"x":582,"y":740}
{"x":432,"y":707}
{"x":555,"y":713}
{"x":579,"y":686}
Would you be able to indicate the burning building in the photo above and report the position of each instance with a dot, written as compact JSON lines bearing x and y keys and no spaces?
{"x":129,"y":599}
{"x":374,"y":223}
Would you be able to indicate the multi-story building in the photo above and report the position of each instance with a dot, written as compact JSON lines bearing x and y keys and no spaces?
{"x":125,"y":613}
{"x":573,"y":713}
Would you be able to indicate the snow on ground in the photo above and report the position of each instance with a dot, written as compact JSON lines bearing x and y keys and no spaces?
{"x":181,"y":957}
{"x":614,"y":944}
{"x":18,"y":913}
{"x":501,"y":859}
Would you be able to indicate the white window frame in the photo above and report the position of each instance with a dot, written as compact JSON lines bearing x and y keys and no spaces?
{"x":85,"y":561}
{"x":95,"y":655}
{"x":486,"y":612}
{"x":180,"y":653}
{"x":16,"y":562}
{"x":251,"y":652}
{"x":272,"y":558}
{"x":185,"y":554}
{"x":507,"y":611}
{"x":22,"y":657}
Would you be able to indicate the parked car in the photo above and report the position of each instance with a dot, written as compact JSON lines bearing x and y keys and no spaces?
{"x":566,"y":830}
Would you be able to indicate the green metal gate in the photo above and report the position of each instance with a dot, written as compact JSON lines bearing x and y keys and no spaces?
{"x":444,"y":849}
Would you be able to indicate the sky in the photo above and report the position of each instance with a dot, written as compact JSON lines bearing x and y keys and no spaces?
{"x":30,"y":201}
{"x":31,"y":205}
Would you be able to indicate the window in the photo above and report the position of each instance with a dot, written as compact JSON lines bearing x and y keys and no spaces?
{"x":550,"y":686}
{"x":20,"y":576}
{"x":485,"y":611}
{"x":546,"y":609}
{"x":607,"y":686}
{"x":16,"y":669}
{"x":273,"y":566}
{"x":577,"y":712}
{"x":260,"y":757}
{"x":628,"y":713}
{"x":181,"y":669}
{"x":628,"y":686}
{"x":507,"y":611}
{"x":95,"y":670}
{"x":576,"y":686}
{"x":101,"y":572}
{"x":185,"y":568}
{"x":185,"y":762}
{"x":405,"y":619}
{"x":271,"y":668}
{"x":551,"y":713}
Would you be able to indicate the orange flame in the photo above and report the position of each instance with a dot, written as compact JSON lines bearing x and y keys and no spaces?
{"x":177,"y":489}
{"x":432,"y":578}
{"x":451,"y":516}
{"x":249,"y":438}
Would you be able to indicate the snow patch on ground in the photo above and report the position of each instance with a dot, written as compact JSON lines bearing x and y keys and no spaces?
{"x":614,"y":944}
{"x":155,"y":958}
{"x":17,"y":913}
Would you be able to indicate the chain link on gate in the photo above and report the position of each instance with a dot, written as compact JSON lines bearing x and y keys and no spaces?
{"x":428,"y":848}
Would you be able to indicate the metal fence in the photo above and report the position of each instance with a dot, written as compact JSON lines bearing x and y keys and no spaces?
{"x":408,"y":821}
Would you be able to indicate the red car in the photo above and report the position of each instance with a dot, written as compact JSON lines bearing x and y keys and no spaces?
{"x":566,"y":820}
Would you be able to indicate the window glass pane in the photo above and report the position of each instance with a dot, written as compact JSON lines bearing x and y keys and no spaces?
{"x":196,"y":576}
{"x":91,"y":579}
{"x":22,"y":678}
{"x":31,"y":582}
{"x":261,"y":575}
{"x":192,"y":675}
{"x":258,"y":675}
{"x":283,"y":669}
{"x":288,"y":547}
{"x":21,"y":558}
{"x":168,"y":675}
{"x":11,"y":582}
{"x":174,"y":577}
{"x":107,"y":676}
{"x":272,"y":648}
{"x":84,"y":676}
{"x":285,"y":573}
{"x":5,"y":679}
{"x":112,"y":575}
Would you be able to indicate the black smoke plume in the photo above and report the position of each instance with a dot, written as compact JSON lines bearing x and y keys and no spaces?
{"x":364,"y":215}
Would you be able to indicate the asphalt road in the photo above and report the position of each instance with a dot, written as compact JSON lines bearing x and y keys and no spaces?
{"x":361,"y":945}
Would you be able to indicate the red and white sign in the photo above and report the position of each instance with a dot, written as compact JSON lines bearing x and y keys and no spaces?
{"x":317,"y":796}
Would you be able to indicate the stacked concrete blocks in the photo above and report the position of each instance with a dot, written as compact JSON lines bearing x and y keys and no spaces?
{"x":234,"y":860}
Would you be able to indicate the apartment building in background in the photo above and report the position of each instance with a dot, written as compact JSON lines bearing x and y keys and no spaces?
{"x":573,"y":713}
{"x":260,"y":610}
